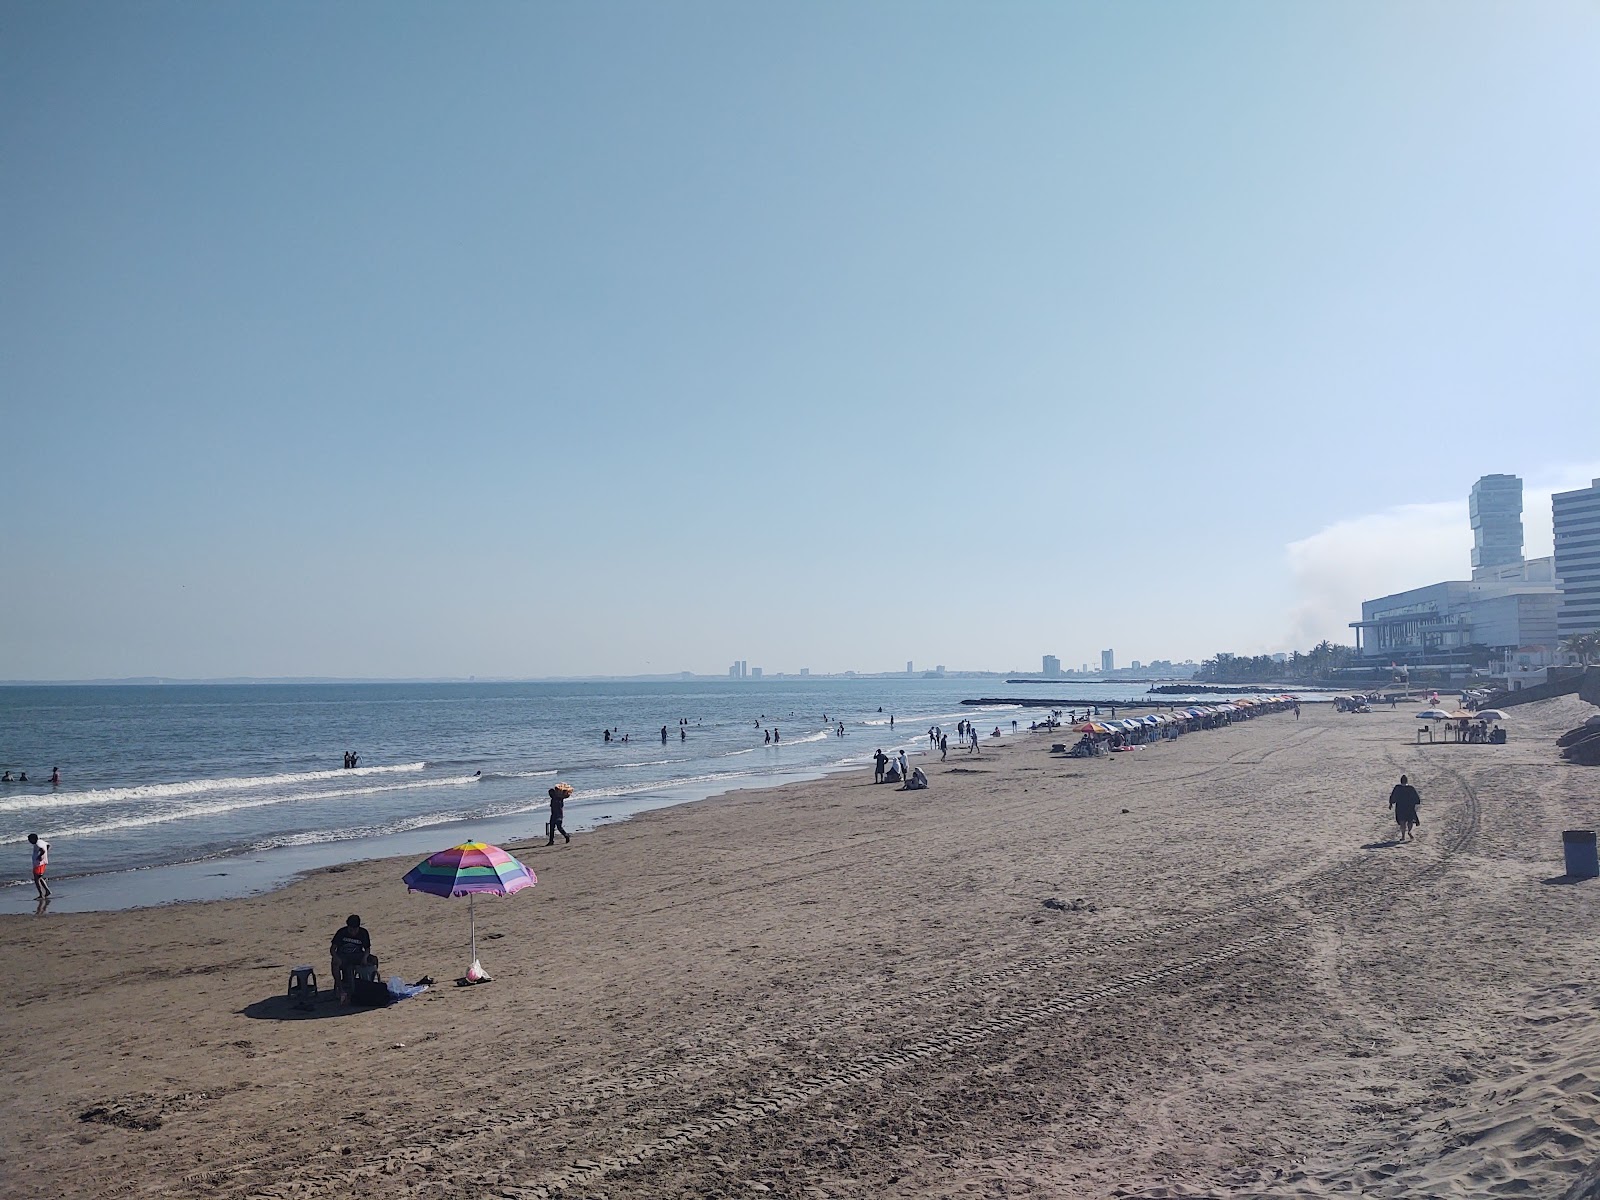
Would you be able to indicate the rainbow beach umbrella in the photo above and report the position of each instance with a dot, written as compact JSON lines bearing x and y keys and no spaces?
{"x":466,"y":870}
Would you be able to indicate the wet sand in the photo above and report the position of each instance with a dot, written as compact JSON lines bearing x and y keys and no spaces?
{"x":1202,"y":968}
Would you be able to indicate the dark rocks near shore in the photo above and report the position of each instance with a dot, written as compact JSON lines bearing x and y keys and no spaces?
{"x":1582,"y":746}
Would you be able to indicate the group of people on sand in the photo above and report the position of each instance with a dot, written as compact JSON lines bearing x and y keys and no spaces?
{"x":895,"y":769}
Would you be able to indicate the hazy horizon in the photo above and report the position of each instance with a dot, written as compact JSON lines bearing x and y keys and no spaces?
{"x":535,"y":341}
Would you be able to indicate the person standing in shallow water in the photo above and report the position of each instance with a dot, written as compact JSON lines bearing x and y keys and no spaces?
{"x":1405,"y":800}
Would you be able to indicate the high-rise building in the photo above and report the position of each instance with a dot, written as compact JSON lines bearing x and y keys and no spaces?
{"x":1495,"y":507}
{"x":1108,"y":660}
{"x":908,"y":666}
{"x":755,"y":672}
{"x":1052,"y":666}
{"x":1577,"y":528}
{"x":733,"y":671}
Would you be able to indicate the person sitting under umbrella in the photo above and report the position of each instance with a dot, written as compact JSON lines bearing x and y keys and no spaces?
{"x":350,"y":954}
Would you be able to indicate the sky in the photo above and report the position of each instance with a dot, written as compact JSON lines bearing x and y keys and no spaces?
{"x":524,"y":339}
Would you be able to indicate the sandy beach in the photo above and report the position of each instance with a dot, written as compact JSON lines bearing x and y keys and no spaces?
{"x":1201,"y":968}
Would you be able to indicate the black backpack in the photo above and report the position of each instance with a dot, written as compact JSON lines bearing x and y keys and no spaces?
{"x":371,"y":993}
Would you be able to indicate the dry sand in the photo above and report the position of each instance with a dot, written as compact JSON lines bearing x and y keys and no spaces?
{"x":1242,"y":987}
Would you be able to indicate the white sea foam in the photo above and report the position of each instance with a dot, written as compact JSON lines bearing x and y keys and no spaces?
{"x":217,"y":807}
{"x":192,"y":787}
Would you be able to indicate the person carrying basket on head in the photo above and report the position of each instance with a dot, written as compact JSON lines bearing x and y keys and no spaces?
{"x":558,"y":810}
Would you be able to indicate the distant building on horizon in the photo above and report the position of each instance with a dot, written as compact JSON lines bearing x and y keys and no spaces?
{"x":805,"y":670}
{"x":1509,"y":604}
{"x":755,"y":672}
{"x":1052,"y":667}
{"x":1576,"y":519}
{"x":908,"y":666}
{"x":1494,"y":507}
{"x":1108,"y":660}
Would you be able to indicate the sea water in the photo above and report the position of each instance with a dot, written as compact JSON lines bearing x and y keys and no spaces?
{"x":191,"y":791}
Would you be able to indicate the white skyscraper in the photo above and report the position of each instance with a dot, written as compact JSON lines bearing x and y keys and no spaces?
{"x":1495,"y":508}
{"x":1108,"y":660}
{"x":1577,"y":529}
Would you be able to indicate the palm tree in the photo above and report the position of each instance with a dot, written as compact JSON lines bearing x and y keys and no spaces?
{"x":1582,"y":646}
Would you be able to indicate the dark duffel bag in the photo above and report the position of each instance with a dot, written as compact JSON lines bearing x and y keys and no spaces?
{"x":373,"y":993}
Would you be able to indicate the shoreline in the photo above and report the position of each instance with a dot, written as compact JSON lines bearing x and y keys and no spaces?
{"x":265,"y":872}
{"x":1073,"y":978}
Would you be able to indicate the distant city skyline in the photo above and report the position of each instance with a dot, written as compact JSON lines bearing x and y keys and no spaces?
{"x":521,"y":341}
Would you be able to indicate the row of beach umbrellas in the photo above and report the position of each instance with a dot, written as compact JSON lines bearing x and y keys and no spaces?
{"x":1129,"y":724}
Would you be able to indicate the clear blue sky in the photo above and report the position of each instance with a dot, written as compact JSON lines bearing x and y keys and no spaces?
{"x":518,"y":339}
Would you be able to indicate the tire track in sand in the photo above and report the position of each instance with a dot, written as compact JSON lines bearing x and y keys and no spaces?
{"x":948,"y":1038}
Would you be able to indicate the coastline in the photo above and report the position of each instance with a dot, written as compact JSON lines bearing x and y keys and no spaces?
{"x":1198,"y":968}
{"x":238,"y":876}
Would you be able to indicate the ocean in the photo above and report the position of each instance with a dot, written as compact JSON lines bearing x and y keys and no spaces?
{"x":194,"y":791}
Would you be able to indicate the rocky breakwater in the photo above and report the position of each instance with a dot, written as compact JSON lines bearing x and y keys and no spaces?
{"x":1582,"y":745}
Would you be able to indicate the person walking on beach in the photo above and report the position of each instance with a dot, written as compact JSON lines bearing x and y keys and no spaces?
{"x":41,"y":864}
{"x":558,"y":812}
{"x":879,"y":760}
{"x":905,"y":771}
{"x":1405,"y":800}
{"x":944,"y":746}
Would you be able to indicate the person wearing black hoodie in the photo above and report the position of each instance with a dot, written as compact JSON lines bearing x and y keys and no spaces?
{"x":1405,"y":800}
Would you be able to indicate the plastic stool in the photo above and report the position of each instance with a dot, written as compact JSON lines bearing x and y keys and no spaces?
{"x":303,"y":982}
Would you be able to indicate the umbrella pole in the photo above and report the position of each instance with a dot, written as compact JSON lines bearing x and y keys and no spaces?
{"x":472,"y":920}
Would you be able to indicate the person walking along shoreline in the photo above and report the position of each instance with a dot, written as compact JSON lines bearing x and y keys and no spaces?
{"x":558,"y":811}
{"x":41,"y":864}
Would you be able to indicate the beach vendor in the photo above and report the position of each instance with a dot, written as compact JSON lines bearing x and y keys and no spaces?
{"x":558,"y":812}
